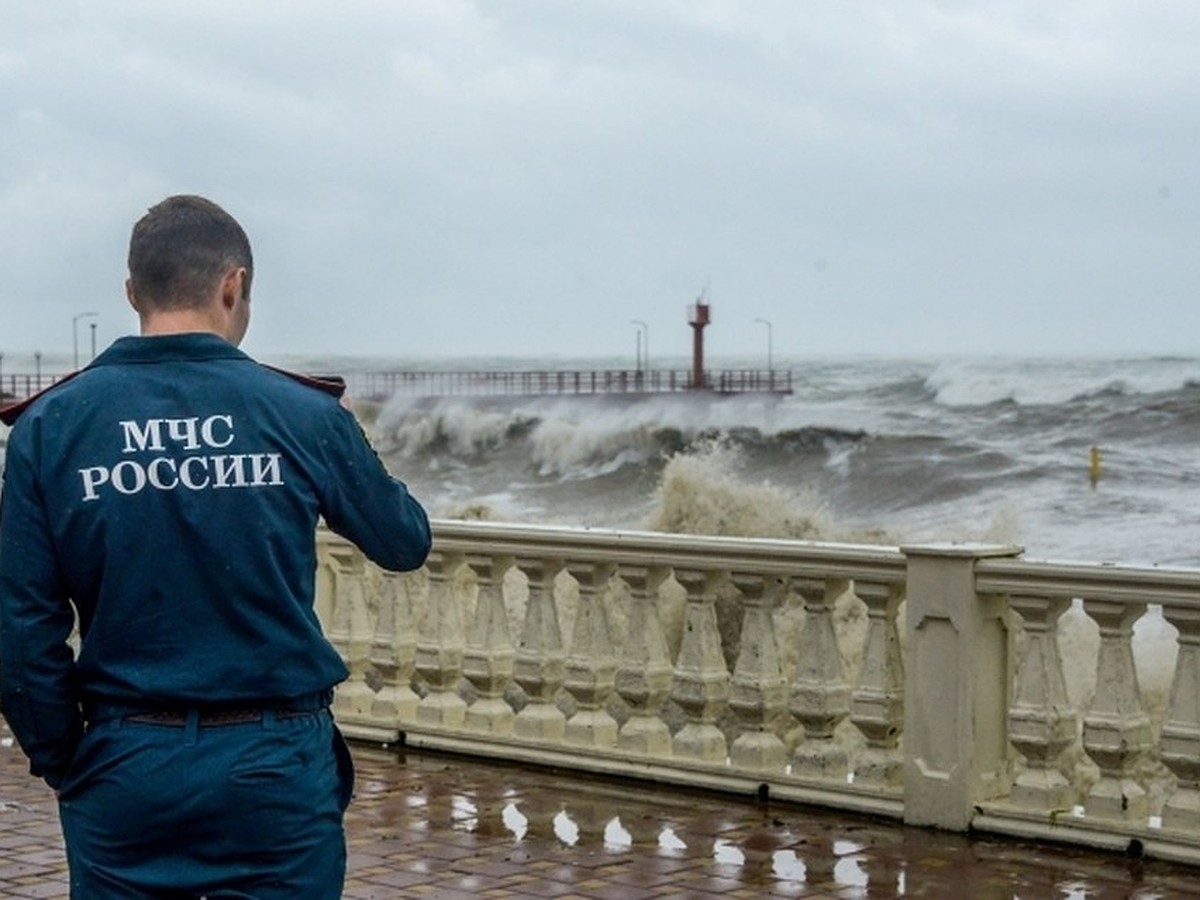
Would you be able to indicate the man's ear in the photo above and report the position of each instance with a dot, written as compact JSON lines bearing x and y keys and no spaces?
{"x":129,"y":295}
{"x":232,"y":286}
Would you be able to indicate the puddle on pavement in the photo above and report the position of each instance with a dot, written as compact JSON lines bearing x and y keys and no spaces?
{"x":754,"y":842}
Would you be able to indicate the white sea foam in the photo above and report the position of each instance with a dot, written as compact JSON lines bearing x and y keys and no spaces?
{"x":701,"y":492}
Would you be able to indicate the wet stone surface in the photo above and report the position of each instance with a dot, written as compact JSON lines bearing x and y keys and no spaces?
{"x":508,"y":831}
{"x":435,"y":826}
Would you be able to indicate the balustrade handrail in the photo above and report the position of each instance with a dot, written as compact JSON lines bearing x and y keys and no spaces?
{"x":879,"y":563}
{"x":1069,"y":580}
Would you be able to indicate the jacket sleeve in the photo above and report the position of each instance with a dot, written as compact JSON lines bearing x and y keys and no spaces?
{"x":37,"y":666}
{"x":362,"y":502}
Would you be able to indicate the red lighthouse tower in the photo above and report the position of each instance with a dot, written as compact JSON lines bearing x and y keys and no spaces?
{"x":698,"y":317}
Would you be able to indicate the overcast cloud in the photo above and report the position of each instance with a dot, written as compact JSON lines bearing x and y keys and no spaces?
{"x":523,"y":177}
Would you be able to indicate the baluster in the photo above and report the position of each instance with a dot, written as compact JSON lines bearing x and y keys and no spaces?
{"x":758,"y":691}
{"x":1041,"y":724}
{"x":644,"y":670}
{"x":541,"y":660}
{"x":877,"y":705}
{"x":591,"y":667}
{"x":701,"y":680}
{"x":1116,"y":730}
{"x":1179,"y":743}
{"x":820,"y":695}
{"x":394,"y":651}
{"x":489,"y":658}
{"x":441,"y":644}
{"x":350,"y":631}
{"x":325,"y":583}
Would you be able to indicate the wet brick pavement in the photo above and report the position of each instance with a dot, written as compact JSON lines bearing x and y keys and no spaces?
{"x":424,"y":825}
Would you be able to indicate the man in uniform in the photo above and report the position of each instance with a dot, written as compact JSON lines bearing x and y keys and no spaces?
{"x":167,"y":496}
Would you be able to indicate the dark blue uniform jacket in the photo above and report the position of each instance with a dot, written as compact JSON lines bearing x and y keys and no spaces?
{"x":171,"y":492}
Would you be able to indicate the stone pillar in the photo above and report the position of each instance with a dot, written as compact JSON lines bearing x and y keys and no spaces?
{"x":877,"y":704}
{"x":541,"y":660}
{"x":394,"y":652}
{"x":701,"y":680}
{"x":490,"y":653}
{"x":1041,"y":722}
{"x":956,"y":690}
{"x":592,"y":664}
{"x":758,"y":694}
{"x":1116,"y":729}
{"x":441,"y":644}
{"x":350,"y":632}
{"x":644,"y":670}
{"x":820,"y":694}
{"x":1179,"y":744}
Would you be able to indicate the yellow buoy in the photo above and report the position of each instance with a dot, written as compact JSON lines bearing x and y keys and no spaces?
{"x":1094,"y":469}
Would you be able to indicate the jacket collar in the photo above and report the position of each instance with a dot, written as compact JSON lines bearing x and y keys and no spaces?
{"x":192,"y":345}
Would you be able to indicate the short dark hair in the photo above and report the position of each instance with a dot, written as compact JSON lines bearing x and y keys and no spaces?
{"x":181,"y":249}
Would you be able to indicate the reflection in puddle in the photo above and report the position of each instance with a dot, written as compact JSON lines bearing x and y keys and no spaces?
{"x":566,"y":830}
{"x":850,"y":873}
{"x":669,"y":840}
{"x":756,"y":856}
{"x":514,"y":820}
{"x":727,"y":854}
{"x":789,"y":866}
{"x":616,"y":837}
{"x":463,"y":813}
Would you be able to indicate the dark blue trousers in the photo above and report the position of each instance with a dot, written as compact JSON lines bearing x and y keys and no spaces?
{"x":252,"y":810}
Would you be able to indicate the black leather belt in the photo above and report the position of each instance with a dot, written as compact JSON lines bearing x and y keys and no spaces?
{"x":214,"y":718}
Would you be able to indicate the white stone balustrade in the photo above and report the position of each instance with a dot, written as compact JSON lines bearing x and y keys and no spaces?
{"x":1041,"y":723}
{"x":541,"y":659}
{"x":488,"y":660}
{"x":644,"y":670}
{"x":394,"y":653}
{"x":877,"y":703}
{"x":591,"y":667}
{"x":820,"y":696}
{"x":1180,"y":737}
{"x":664,"y":657}
{"x":442,"y":644}
{"x":701,"y":679}
{"x":758,"y":690}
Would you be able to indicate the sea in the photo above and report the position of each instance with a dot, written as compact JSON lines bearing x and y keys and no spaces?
{"x":1086,"y":459}
{"x":891,"y":450}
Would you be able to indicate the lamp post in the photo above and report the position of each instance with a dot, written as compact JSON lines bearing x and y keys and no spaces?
{"x":93,"y":340}
{"x":643,"y":342}
{"x":75,"y":333}
{"x":770,"y":366}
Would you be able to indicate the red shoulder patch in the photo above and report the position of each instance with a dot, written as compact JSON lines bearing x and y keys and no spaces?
{"x":10,"y":413}
{"x":334,"y":385}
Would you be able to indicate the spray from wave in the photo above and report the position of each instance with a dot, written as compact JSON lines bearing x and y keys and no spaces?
{"x":702,"y":492}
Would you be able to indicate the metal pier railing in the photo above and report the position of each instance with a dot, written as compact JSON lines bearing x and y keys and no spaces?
{"x":379,"y":385}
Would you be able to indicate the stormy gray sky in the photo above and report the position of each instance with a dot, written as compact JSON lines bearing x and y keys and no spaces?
{"x":524,"y":177}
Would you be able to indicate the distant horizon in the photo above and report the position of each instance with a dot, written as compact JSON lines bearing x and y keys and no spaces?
{"x":61,"y":362}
